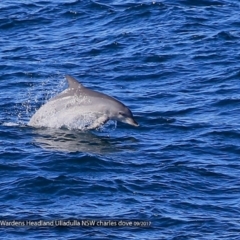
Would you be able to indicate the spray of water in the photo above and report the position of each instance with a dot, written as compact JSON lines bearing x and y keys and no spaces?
{"x":35,"y":95}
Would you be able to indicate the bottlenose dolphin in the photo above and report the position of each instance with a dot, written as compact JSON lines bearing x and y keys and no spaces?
{"x":79,"y":107}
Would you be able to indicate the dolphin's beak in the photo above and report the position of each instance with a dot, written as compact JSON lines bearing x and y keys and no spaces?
{"x":132,"y":122}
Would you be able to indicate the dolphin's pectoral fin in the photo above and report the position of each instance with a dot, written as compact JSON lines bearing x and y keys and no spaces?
{"x":98,"y":122}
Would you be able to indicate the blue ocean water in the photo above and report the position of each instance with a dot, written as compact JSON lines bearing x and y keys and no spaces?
{"x":175,"y":64}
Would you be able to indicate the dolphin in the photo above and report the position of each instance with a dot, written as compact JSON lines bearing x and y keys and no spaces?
{"x":78,"y":107}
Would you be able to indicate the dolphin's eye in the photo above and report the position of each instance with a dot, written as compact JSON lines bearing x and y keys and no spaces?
{"x":121,"y":113}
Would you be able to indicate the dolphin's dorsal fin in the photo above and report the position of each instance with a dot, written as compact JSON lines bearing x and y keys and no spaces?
{"x":73,"y":83}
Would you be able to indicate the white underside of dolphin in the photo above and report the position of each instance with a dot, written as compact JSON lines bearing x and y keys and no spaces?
{"x":78,"y":107}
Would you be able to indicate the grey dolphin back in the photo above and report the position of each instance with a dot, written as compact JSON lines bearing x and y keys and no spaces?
{"x":77,"y":89}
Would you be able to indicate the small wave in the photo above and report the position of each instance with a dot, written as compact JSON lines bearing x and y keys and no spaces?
{"x":228,"y":102}
{"x":206,"y":3}
{"x":10,"y":124}
{"x":226,"y":35}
